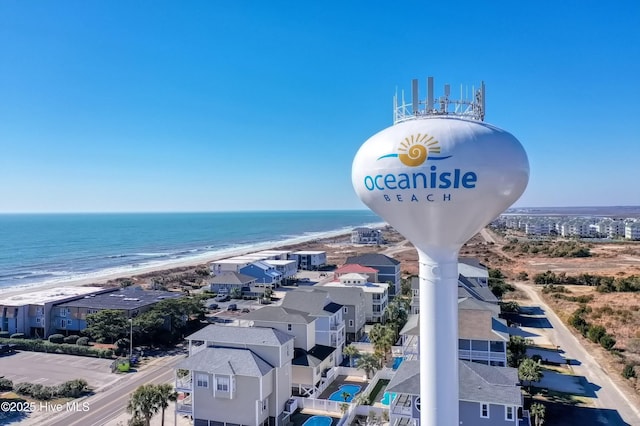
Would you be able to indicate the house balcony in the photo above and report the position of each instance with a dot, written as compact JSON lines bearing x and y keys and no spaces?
{"x":471,"y":355}
{"x":336,"y":326}
{"x":184,"y":405}
{"x":184,"y":383}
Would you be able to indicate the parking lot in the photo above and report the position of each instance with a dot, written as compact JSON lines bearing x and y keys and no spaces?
{"x":53,"y":369}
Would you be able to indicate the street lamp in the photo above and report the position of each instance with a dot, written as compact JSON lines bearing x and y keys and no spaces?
{"x":130,"y":339}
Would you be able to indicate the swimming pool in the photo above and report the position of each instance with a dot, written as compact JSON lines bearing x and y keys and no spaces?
{"x":318,"y":421}
{"x":388,"y":397}
{"x":352,"y":390}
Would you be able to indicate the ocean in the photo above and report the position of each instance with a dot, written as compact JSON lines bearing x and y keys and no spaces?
{"x":37,"y":249}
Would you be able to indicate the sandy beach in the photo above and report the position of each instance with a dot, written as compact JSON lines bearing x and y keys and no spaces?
{"x":337,"y":245}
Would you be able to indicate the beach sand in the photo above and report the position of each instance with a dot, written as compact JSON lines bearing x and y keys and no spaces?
{"x":337,"y":246}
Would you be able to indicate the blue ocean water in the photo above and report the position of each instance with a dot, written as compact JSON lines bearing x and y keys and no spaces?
{"x":43,"y":248}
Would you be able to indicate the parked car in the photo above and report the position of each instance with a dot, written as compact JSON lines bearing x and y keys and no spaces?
{"x":213,"y":306}
{"x":232,"y":307}
{"x":222,"y":298}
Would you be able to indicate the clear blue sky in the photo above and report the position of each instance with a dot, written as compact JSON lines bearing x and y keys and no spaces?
{"x":237,"y":105}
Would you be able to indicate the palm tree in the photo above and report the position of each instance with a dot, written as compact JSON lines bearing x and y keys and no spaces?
{"x":530,"y":371}
{"x":351,"y":351}
{"x":164,"y":394}
{"x":382,"y":338}
{"x":143,"y":404}
{"x":361,"y":399}
{"x":345,"y":396}
{"x":368,"y":363}
{"x":538,"y":411}
{"x":343,"y":408}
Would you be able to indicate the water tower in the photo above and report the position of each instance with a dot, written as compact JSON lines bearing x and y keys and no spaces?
{"x":438,"y":176}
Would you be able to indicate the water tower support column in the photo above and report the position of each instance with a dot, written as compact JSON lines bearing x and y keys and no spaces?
{"x":438,"y":338}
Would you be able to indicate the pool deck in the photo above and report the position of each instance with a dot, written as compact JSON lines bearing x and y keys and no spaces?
{"x":343,"y":380}
{"x":298,"y":418}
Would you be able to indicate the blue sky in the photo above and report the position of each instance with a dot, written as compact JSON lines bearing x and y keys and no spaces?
{"x":237,"y":105}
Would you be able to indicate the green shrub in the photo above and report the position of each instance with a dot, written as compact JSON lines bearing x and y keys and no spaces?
{"x":17,"y":336}
{"x":23,"y":388}
{"x":56,"y":338}
{"x":5,"y":384}
{"x":71,"y":339}
{"x":63,"y":348}
{"x":629,"y":371}
{"x":607,"y":341}
{"x":596,"y":332}
{"x":83,"y":341}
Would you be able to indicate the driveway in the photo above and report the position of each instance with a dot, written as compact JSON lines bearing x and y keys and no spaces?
{"x":608,"y":395}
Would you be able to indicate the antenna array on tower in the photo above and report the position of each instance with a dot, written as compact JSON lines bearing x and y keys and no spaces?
{"x":473,"y":109}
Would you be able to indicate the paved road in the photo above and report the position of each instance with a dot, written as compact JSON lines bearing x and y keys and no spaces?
{"x":110,"y":403}
{"x":487,"y":236}
{"x":609,"y":396}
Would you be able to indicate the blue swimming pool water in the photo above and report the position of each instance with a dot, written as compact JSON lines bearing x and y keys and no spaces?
{"x":318,"y":421}
{"x":352,"y":390}
{"x":388,"y":397}
{"x":396,"y":362}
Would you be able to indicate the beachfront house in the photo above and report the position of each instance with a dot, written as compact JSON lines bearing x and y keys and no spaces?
{"x":236,"y":376}
{"x":228,"y":265}
{"x":388,"y":269}
{"x":354,"y":268}
{"x":31,"y":312}
{"x":376,"y":295}
{"x":312,"y":367}
{"x":288,"y":268}
{"x":226,"y":281}
{"x":364,"y":235}
{"x":71,"y":317}
{"x":310,"y":260}
{"x":488,"y":396}
{"x":266,"y":275}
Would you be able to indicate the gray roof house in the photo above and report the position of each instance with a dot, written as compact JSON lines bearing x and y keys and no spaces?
{"x":353,"y":304}
{"x":388,"y":269}
{"x":226,"y":281}
{"x":236,"y":375}
{"x":488,"y":396}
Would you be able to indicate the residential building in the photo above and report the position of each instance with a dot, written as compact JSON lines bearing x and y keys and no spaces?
{"x":349,"y":268}
{"x":71,"y":317}
{"x":226,"y":281}
{"x":276,"y":254}
{"x":364,"y":235}
{"x":313,"y":364}
{"x":228,"y":265}
{"x":376,"y":295}
{"x":632,"y":231}
{"x":388,"y":269}
{"x":288,"y":268}
{"x":236,"y":376}
{"x":31,"y":312}
{"x":309,"y":260}
{"x":353,"y":304}
{"x":473,"y":270}
{"x":266,"y":275}
{"x":488,"y":396}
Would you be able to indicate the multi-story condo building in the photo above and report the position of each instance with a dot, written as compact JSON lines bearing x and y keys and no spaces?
{"x":376,"y":294}
{"x":236,"y":376}
{"x":388,"y":269}
{"x":632,"y":231}
{"x":31,"y":313}
{"x":310,"y":260}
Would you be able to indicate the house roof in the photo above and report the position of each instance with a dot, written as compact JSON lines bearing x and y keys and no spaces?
{"x":228,"y":361}
{"x":472,"y":304}
{"x":476,"y":291}
{"x":354,"y":276}
{"x":125,"y":299}
{"x":472,"y":324}
{"x":279,"y":314}
{"x":221,"y":334}
{"x":477,"y":382}
{"x":372,"y":259}
{"x":313,"y":357}
{"x":230,"y":277}
{"x":355,"y":267}
{"x":349,"y":295}
{"x":471,"y":267}
{"x":316,"y":303}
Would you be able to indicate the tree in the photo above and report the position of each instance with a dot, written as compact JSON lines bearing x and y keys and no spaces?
{"x":164,"y":394}
{"x":351,"y":351}
{"x":537,"y":410}
{"x":236,"y":293}
{"x":345,"y":396}
{"x":343,"y":408}
{"x":516,"y":351}
{"x":396,"y":315}
{"x":361,"y":399}
{"x":530,"y":371}
{"x":107,"y":325}
{"x":144,"y":403}
{"x":382,"y":337}
{"x":368,"y":363}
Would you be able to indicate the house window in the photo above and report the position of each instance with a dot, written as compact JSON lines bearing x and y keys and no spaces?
{"x":484,"y":410}
{"x":265,"y":404}
{"x":222,"y":384}
{"x":63,"y":312}
{"x":289,"y":327}
{"x":202,"y":380}
{"x":38,"y":320}
{"x":344,"y":309}
{"x":508,"y":413}
{"x":350,"y":323}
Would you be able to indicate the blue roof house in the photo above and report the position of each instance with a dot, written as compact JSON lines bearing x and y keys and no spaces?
{"x":264,"y":274}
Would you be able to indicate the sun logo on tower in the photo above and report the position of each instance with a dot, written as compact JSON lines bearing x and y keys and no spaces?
{"x":414,"y":150}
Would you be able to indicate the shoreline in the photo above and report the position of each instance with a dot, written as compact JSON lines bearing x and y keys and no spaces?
{"x":105,"y":276}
